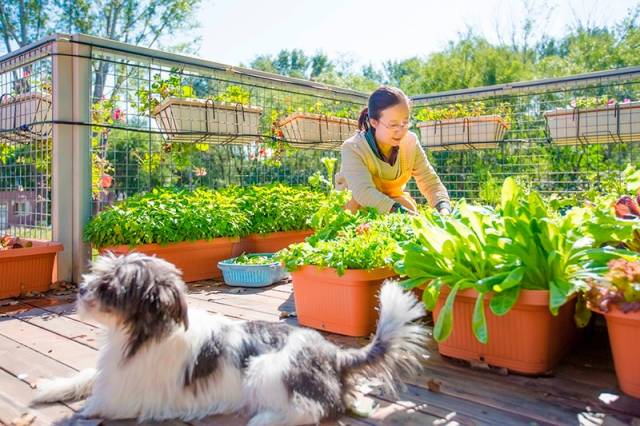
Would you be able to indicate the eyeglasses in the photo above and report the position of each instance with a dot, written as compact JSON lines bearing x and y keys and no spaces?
{"x":396,"y":127}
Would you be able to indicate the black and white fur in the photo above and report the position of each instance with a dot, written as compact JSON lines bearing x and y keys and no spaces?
{"x":161,"y":362}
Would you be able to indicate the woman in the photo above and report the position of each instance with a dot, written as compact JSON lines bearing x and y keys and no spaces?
{"x":378,"y":161}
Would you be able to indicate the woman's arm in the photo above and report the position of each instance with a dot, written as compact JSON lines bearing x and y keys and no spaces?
{"x":358,"y":180}
{"x":428,"y":181}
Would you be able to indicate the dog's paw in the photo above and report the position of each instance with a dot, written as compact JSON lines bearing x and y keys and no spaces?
{"x":46,"y":392}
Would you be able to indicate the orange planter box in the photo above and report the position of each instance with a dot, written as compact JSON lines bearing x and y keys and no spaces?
{"x":269,"y":243}
{"x":528,"y":339}
{"x":198,"y":260}
{"x":339,"y":304}
{"x":624,"y":335}
{"x":27,"y":269}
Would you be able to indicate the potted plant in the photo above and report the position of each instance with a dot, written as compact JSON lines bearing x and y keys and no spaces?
{"x":317,"y":127}
{"x":470,"y":125}
{"x":26,"y":265}
{"x":227,"y":117}
{"x":594,"y":120}
{"x":617,"y":297}
{"x":502,"y":283}
{"x":26,"y":113}
{"x":337,"y":273}
{"x":278,"y":213}
{"x":285,"y":211}
{"x":192,"y":229}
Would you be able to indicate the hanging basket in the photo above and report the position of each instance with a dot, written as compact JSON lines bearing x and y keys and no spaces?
{"x":25,"y":117}
{"x":605,"y":124}
{"x":316,"y":131}
{"x":200,"y":120}
{"x":463,"y":133}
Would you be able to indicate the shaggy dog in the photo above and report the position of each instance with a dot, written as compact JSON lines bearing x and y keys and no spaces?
{"x":161,"y":362}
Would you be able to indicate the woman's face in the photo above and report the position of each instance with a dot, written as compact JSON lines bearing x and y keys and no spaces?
{"x":392,"y":125}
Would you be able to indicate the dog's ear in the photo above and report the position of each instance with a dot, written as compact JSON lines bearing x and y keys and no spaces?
{"x":155,"y":302}
{"x":173,"y":301}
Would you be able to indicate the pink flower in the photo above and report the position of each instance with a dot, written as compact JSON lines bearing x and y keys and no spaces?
{"x":626,"y":101}
{"x":611,"y":102}
{"x":200,"y":171}
{"x":106,"y":181}
{"x":26,"y":73}
{"x":118,"y":114}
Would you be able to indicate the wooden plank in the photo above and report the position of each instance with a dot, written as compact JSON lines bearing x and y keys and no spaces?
{"x":14,"y":403}
{"x":30,"y":366}
{"x":456,"y":409}
{"x":274,"y":292}
{"x":63,"y":326}
{"x":68,"y":310}
{"x":560,"y":389}
{"x":542,"y":407}
{"x":66,"y":351}
{"x":247,"y":301}
{"x":230,"y":311}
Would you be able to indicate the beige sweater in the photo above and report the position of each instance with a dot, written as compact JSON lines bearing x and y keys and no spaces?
{"x":359,"y":164}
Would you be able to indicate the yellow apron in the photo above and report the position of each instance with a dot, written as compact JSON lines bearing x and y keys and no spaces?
{"x":393,"y":188}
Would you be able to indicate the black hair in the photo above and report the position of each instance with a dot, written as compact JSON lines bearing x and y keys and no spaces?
{"x":384,"y":97}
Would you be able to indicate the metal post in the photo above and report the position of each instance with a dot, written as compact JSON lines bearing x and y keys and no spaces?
{"x":71,"y":155}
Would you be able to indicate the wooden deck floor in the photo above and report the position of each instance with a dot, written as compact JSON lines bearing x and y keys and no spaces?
{"x":42,"y":337}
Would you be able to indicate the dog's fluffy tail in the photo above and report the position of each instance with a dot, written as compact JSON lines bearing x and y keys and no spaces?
{"x":72,"y":388}
{"x":397,"y":345}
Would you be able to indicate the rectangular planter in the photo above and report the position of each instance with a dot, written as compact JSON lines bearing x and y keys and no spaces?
{"x":605,"y":124}
{"x":18,"y":112}
{"x":527,"y":340}
{"x":210,"y":121}
{"x":269,"y":243}
{"x":316,"y":131}
{"x":624,"y":335}
{"x":27,"y":269}
{"x":198,"y":260}
{"x":462,"y":133}
{"x":339,"y":304}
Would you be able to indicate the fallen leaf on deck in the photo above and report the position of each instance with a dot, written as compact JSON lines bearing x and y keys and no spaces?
{"x":25,"y":420}
{"x":285,"y":314}
{"x":434,"y":385}
{"x":479,"y":365}
{"x":503,"y":371}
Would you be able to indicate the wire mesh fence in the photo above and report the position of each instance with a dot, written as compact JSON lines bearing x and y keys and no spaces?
{"x":565,"y":136}
{"x":25,"y":149}
{"x":158,"y":119}
{"x":174,"y":124}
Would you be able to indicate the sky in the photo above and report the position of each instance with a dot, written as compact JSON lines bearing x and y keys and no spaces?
{"x":374,"y":31}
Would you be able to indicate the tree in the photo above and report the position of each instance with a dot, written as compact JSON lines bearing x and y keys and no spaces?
{"x":294,"y":63}
{"x":139,"y":22}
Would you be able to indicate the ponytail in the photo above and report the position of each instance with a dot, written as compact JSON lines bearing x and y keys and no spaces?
{"x":363,"y":120}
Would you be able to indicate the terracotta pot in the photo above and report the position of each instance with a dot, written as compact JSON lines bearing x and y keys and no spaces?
{"x":198,"y":260}
{"x":624,"y":335}
{"x":340,"y":304}
{"x":269,"y":243}
{"x":528,"y":339}
{"x":27,"y":269}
